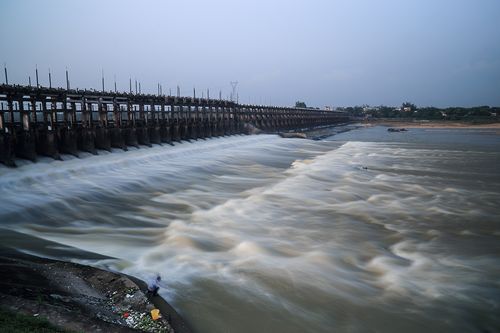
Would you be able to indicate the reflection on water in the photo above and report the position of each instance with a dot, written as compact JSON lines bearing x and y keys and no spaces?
{"x":364,"y":231}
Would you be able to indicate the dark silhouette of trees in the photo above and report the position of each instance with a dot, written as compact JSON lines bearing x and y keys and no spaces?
{"x":412,"y":106}
{"x":410,"y":110}
{"x":300,"y":104}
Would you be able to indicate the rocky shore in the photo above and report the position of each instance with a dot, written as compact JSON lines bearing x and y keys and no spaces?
{"x":80,"y":298}
{"x":320,"y":133}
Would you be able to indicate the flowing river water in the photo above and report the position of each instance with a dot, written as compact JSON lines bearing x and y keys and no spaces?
{"x":364,"y":231}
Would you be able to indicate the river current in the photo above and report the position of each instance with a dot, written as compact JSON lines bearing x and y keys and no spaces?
{"x":364,"y":231}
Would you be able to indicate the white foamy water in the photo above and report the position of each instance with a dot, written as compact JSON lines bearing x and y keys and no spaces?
{"x":366,"y":232}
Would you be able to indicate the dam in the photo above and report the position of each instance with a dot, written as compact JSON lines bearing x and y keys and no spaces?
{"x":41,"y":121}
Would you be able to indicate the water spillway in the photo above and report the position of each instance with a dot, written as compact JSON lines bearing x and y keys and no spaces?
{"x":52,"y":121}
{"x":363,"y":231}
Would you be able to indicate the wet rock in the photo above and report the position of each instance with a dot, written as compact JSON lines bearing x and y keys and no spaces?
{"x":79,"y":298}
{"x":293,"y":135}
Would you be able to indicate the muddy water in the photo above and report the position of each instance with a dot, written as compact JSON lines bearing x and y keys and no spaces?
{"x":366,"y":231}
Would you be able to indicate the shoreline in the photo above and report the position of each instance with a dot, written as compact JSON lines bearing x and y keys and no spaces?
{"x":429,"y":124}
{"x":81,"y":298}
{"x":327,"y":131}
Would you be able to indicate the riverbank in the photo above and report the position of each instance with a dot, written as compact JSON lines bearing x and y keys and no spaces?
{"x":78,"y":298}
{"x":429,"y":124}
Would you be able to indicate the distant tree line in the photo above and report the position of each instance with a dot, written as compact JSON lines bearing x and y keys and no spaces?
{"x":300,"y":104}
{"x":410,"y":110}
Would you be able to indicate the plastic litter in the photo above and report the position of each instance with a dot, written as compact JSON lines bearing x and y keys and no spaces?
{"x":155,"y":314}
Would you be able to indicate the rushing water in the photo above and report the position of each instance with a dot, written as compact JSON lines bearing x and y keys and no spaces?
{"x":366,"y":231}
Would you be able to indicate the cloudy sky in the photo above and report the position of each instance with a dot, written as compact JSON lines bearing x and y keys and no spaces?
{"x":324,"y":52}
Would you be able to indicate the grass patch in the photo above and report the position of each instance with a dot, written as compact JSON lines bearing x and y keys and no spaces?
{"x":19,"y":323}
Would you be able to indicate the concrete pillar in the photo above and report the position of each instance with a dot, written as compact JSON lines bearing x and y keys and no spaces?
{"x":25,"y":116}
{"x":65,"y":112}
{"x":86,"y":111}
{"x":10,"y":106}
{"x":116,"y":114}
{"x":72,"y":118}
{"x":33,"y":110}
{"x":130,"y":115}
{"x":103,"y":114}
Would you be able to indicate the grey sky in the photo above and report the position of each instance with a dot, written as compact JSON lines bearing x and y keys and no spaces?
{"x":325,"y":52}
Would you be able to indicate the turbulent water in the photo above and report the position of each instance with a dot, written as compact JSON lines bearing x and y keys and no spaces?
{"x":365,"y":231}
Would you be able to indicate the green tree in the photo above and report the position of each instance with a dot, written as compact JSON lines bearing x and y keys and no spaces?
{"x":300,"y":104}
{"x":412,"y":106}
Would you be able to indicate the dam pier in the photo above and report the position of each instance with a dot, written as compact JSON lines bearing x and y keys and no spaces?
{"x":40,"y":121}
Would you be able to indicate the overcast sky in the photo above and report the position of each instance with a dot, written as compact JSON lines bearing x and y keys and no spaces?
{"x":323,"y":52}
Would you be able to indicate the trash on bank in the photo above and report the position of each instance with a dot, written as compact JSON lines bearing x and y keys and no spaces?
{"x":155,"y":314}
